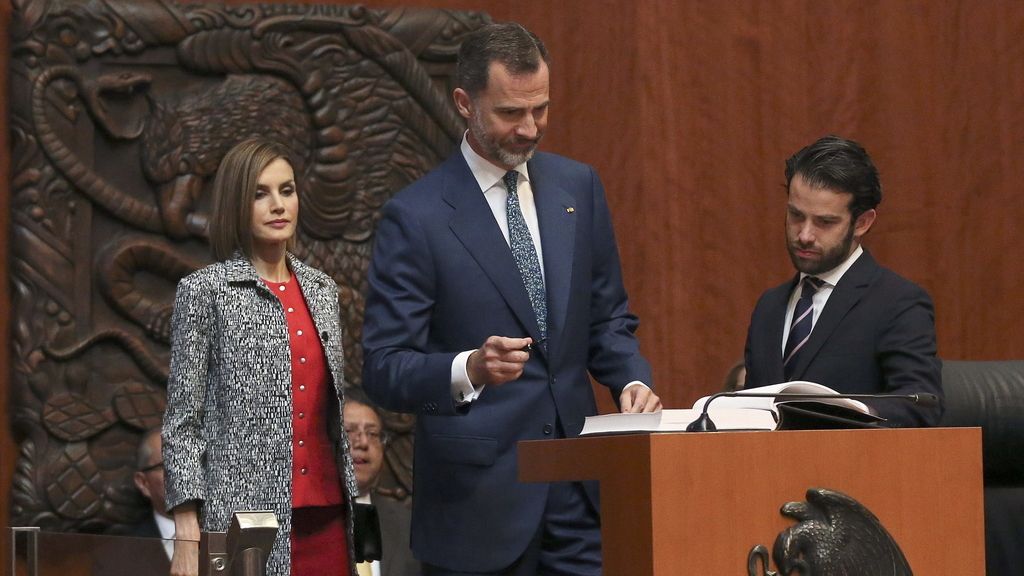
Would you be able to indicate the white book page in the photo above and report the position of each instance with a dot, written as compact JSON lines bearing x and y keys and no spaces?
{"x":794,"y":387}
{"x":724,"y":418}
{"x":676,"y":420}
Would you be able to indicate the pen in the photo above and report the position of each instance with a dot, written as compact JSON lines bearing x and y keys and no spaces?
{"x":532,"y":345}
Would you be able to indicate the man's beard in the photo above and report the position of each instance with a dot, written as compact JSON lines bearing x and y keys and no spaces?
{"x":492,"y":148}
{"x":829,"y":259}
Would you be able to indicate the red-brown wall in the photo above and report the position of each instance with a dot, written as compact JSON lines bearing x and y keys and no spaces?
{"x":931,"y":89}
{"x":688,"y":110}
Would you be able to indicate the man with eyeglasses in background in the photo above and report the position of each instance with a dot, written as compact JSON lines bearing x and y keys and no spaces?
{"x":149,"y":479}
{"x":110,"y":559}
{"x":367,"y":439}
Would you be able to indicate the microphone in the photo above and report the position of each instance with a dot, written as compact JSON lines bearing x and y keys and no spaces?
{"x":704,"y":423}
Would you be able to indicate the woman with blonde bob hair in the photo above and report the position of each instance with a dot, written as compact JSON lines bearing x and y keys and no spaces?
{"x":254,"y":398}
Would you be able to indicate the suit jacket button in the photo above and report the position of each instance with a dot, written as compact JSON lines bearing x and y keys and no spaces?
{"x":547,"y":429}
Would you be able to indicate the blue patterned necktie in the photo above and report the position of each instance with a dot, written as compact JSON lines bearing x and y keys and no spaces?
{"x":800,"y":328}
{"x":525,"y":252}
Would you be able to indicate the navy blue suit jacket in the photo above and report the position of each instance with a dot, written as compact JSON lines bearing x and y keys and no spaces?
{"x":876,"y":334}
{"x":442,"y":280}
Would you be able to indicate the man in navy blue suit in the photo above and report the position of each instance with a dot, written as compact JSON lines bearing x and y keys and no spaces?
{"x":494,"y":290}
{"x":843,"y":320}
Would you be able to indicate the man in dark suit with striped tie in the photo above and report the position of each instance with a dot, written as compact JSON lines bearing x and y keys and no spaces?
{"x":843,"y":320}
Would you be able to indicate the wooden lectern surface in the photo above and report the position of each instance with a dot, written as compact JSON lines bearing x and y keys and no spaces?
{"x":696,"y":503}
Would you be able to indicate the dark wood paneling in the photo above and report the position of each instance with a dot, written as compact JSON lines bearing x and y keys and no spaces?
{"x":119,"y":116}
{"x":8,"y":450}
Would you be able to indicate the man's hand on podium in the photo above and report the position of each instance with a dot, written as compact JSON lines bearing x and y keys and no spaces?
{"x":639,"y":398}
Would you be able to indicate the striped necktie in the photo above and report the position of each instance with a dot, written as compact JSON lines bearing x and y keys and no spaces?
{"x":525,"y":252}
{"x":800,"y":328}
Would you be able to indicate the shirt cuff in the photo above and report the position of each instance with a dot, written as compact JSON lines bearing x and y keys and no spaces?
{"x":463,"y":391}
{"x":634,"y":383}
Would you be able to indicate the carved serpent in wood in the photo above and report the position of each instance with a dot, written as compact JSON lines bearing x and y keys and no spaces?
{"x":109,"y":207}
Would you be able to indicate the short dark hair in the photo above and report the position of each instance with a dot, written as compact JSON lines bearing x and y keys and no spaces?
{"x":509,"y":43}
{"x":357,"y":395}
{"x":234,"y":191}
{"x":838,"y":164}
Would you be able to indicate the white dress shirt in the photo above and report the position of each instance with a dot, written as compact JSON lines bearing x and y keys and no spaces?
{"x":489,"y":178}
{"x":166,"y":526}
{"x":831,"y":280}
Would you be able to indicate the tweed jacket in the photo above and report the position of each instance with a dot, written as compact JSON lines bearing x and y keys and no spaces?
{"x":227,"y":431}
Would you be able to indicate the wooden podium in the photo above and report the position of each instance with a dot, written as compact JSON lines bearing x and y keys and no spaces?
{"x":696,"y":503}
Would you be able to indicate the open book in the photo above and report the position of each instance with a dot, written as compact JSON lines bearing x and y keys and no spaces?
{"x":743,"y":412}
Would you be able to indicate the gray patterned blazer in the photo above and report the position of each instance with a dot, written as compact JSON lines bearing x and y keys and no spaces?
{"x":227,"y":432}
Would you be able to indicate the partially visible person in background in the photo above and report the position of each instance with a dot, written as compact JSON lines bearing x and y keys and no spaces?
{"x":735,"y":378}
{"x":368,"y":440}
{"x":124,"y":557}
{"x":149,"y":479}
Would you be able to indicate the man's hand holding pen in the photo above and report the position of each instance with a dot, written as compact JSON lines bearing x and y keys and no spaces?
{"x":499,"y":360}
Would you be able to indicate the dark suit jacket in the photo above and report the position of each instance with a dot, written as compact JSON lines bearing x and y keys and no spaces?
{"x":875,"y":334}
{"x":441,"y":281}
{"x":146,"y":528}
{"x":395,"y":518}
{"x":114,"y":556}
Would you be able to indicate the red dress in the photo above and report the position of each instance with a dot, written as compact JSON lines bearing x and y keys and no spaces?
{"x":318,"y":538}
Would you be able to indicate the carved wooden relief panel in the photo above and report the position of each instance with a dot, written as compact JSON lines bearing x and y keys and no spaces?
{"x":120,"y":113}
